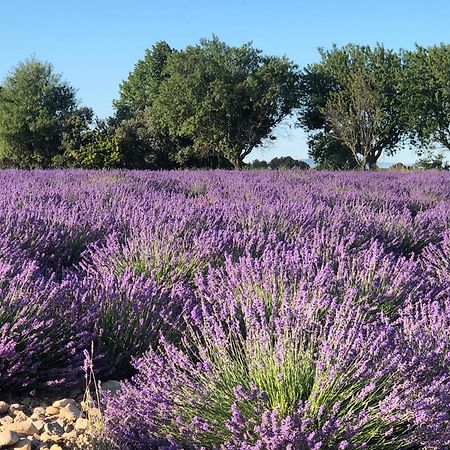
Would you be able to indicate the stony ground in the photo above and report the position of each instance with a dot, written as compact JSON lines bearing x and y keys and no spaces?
{"x":49,"y":422}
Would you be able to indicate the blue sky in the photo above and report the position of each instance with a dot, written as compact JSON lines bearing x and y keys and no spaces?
{"x":96,"y":43}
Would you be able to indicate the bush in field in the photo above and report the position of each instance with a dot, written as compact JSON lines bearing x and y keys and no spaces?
{"x":255,"y":372}
{"x":400,"y":167}
{"x":287,"y":162}
{"x":131,"y":312}
{"x":297,"y":350}
{"x":41,"y":338}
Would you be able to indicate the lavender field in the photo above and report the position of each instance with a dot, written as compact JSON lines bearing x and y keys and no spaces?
{"x":254,"y":310}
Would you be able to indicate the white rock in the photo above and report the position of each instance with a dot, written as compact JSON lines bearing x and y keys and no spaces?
{"x":38,"y":413}
{"x":51,"y":411}
{"x":6,"y":419}
{"x":70,"y":435}
{"x":24,"y":427}
{"x":22,"y":444}
{"x":17,"y":407}
{"x":45,"y":437}
{"x":56,"y":447}
{"x":81,"y":424}
{"x":64,"y":402}
{"x":70,"y":412}
{"x":39,"y":424}
{"x":61,"y":422}
{"x":8,"y":438}
{"x":4,"y":407}
{"x":20,"y":416}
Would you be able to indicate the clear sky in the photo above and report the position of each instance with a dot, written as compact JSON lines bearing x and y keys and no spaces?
{"x":96,"y":43}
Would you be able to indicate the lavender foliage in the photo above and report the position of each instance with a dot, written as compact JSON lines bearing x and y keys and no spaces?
{"x":262,"y":310}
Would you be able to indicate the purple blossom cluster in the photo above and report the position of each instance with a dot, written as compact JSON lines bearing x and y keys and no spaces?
{"x":271,"y":310}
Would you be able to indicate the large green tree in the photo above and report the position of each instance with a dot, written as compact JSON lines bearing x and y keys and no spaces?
{"x":222,"y":100}
{"x":352,"y":96}
{"x":142,"y":140}
{"x":141,"y":87}
{"x":35,"y":110}
{"x":427,"y":95}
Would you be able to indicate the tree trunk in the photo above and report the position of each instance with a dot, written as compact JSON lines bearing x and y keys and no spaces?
{"x":371,"y":161}
{"x":362,"y":164}
{"x":237,"y":164}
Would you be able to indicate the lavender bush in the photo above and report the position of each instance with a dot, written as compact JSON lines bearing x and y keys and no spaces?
{"x":269,"y":310}
{"x":292,"y":370}
{"x":130,"y":314}
{"x":41,"y":339}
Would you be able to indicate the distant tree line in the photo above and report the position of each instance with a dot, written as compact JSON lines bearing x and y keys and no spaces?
{"x":278,"y":163}
{"x":211,"y":104}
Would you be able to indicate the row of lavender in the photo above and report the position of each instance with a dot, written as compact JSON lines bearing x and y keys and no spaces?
{"x":259,"y":310}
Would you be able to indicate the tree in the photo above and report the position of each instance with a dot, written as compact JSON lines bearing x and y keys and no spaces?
{"x":352,"y":96}
{"x":399,"y":167}
{"x":354,"y":115}
{"x":78,"y":129}
{"x":144,"y":142}
{"x":432,"y":162}
{"x":427,"y":95}
{"x":225,"y":100}
{"x":35,"y":109}
{"x":102,"y":150}
{"x":287,"y":162}
{"x":259,"y":165}
{"x":329,"y":154}
{"x":141,"y":87}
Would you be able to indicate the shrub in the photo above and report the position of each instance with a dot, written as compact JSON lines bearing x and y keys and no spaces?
{"x":41,"y":336}
{"x":297,"y":374}
{"x":131,"y":312}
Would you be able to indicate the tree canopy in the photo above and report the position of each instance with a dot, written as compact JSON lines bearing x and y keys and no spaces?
{"x":210,"y":104}
{"x":141,"y":87}
{"x":223,"y":100}
{"x":427,"y":95}
{"x":35,"y":110}
{"x":329,"y":154}
{"x":353,"y":97}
